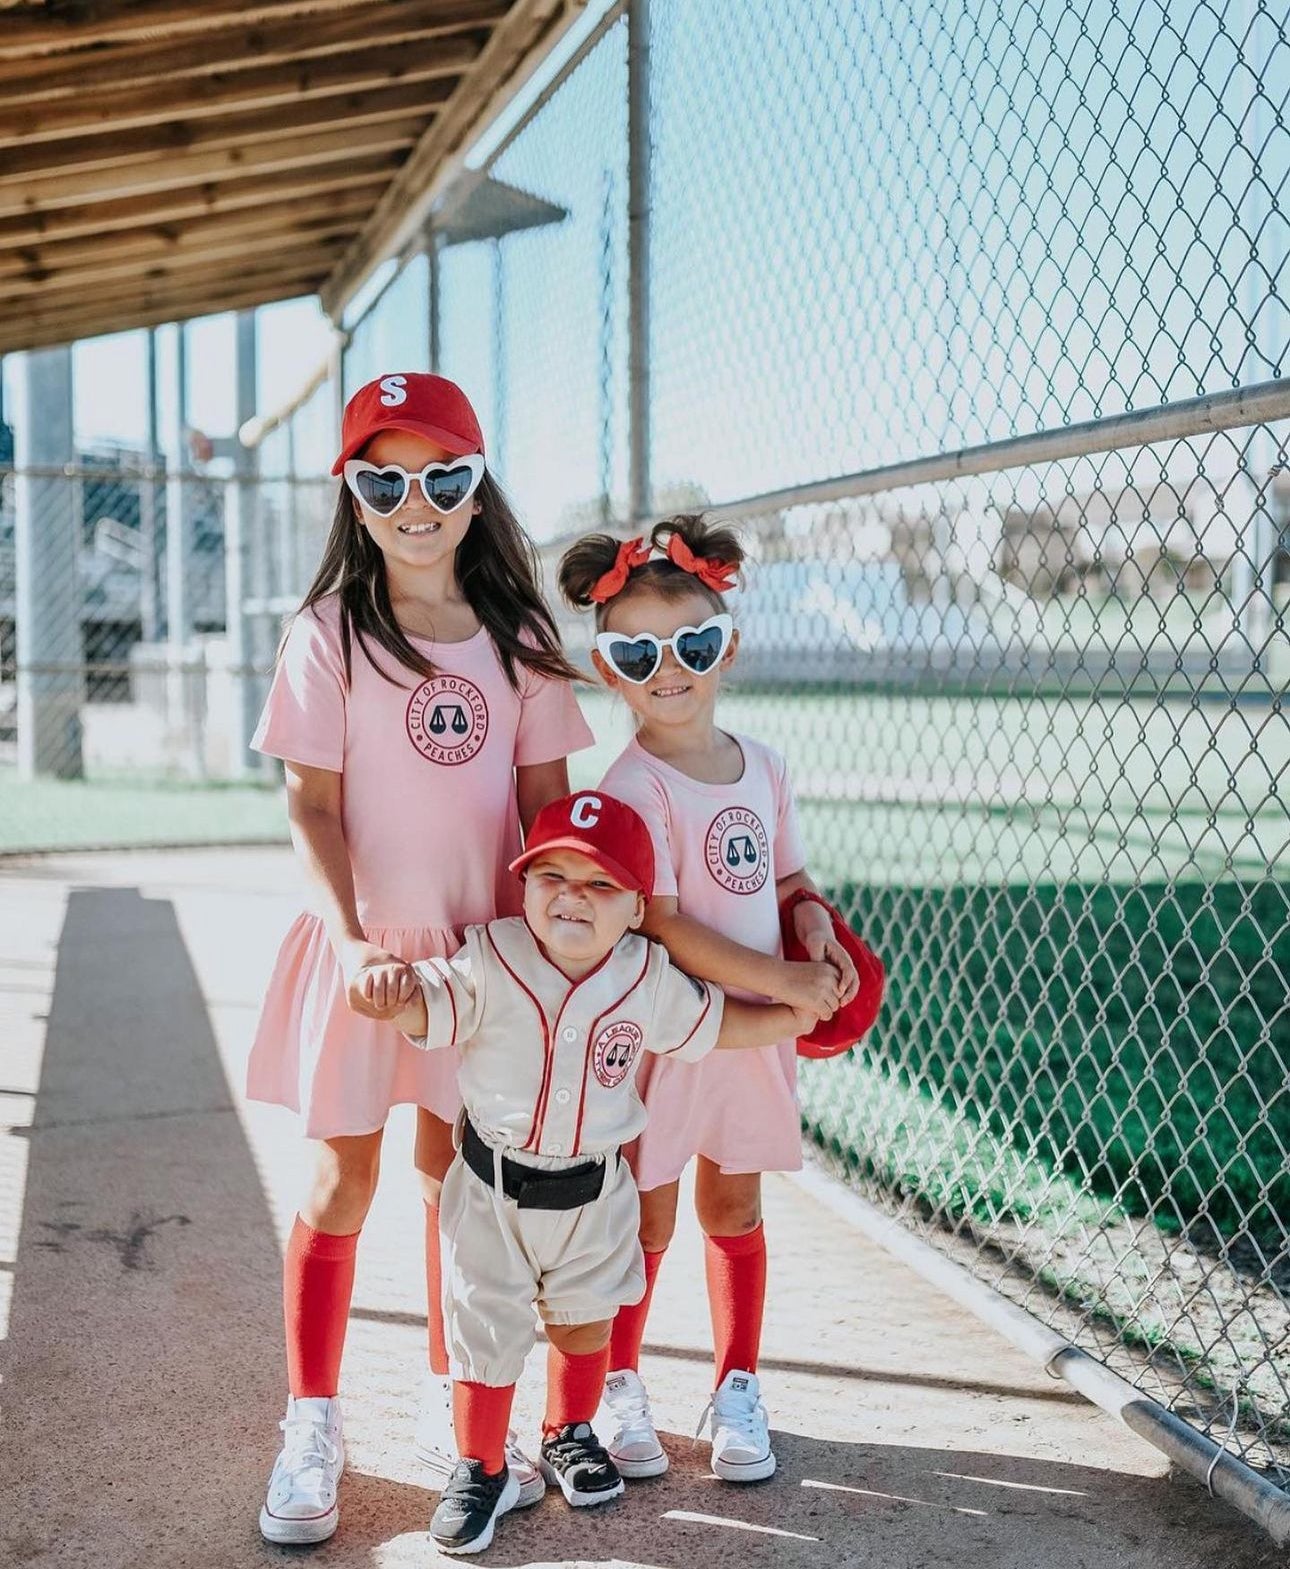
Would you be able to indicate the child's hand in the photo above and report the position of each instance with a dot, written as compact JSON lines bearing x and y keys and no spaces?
{"x":809,"y":985}
{"x":826,"y":949}
{"x":804,"y":1021}
{"x":378,"y":984}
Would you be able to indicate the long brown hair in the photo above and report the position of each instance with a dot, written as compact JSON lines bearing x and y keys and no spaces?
{"x":497,"y":571}
{"x":586,"y":562}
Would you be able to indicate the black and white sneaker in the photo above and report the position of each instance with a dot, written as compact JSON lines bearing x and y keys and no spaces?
{"x":467,"y":1514}
{"x":580,"y":1467}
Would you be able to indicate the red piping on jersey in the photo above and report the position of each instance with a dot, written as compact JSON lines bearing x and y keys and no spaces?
{"x":453,"y":1001}
{"x":534,"y":1140}
{"x":546,"y":1031}
{"x":706,"y":1009}
{"x":591,"y":1037}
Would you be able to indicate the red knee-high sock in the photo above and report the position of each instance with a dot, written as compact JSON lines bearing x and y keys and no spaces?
{"x":573,"y":1386}
{"x":434,"y":1294}
{"x":736,"y":1270}
{"x":317,"y":1282}
{"x":481,"y":1414}
{"x":629,"y":1322}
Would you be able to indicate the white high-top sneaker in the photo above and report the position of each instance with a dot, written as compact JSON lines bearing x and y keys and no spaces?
{"x":741,"y":1449}
{"x":435,"y":1443}
{"x":301,"y":1503}
{"x":634,"y":1448}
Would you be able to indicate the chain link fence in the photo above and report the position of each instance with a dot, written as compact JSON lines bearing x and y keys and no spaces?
{"x":974,"y":320}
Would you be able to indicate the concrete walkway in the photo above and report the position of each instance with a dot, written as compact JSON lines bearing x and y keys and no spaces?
{"x":143,"y":1208}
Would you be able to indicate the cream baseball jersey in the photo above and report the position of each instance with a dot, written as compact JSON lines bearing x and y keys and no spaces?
{"x":548,"y":1065}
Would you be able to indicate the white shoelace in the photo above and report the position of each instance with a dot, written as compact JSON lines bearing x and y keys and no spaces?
{"x":307,"y":1445}
{"x":738,"y":1414}
{"x":631,"y":1410}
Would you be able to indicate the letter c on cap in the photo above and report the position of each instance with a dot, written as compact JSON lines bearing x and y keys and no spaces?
{"x":586,"y":811}
{"x":393,"y":391}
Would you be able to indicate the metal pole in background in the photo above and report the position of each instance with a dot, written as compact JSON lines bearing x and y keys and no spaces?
{"x":501,"y":391}
{"x":434,"y":298}
{"x":245,"y":558}
{"x":149,"y":610}
{"x":638,"y":204}
{"x":50,"y":657}
{"x":178,"y":602}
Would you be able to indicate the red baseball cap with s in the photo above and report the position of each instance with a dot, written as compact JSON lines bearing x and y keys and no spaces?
{"x":601,"y":827}
{"x":430,"y":406}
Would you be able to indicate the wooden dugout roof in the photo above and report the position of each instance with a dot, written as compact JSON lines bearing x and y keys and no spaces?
{"x":161,"y":160}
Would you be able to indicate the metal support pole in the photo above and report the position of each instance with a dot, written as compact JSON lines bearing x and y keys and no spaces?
{"x":50,"y":658}
{"x":638,"y":206}
{"x":245,"y":557}
{"x":501,"y":392}
{"x":434,"y":298}
{"x":149,"y":608}
{"x":178,"y":611}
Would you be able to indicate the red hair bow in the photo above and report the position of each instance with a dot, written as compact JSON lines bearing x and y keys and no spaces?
{"x":632,"y":553}
{"x":716,"y":575}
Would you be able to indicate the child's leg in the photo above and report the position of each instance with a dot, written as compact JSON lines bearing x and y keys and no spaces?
{"x":481,"y":1415}
{"x":318,"y":1277}
{"x":729,"y":1210}
{"x":576,"y":1364}
{"x":658,"y":1223}
{"x":433,"y":1157}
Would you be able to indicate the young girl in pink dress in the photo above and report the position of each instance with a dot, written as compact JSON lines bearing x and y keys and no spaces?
{"x":422,"y":706}
{"x":728,"y":855}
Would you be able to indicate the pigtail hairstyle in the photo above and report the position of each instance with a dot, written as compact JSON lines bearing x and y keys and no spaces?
{"x":497,"y":571}
{"x":587,"y":561}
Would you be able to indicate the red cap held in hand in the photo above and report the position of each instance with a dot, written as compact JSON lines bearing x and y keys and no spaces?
{"x":429,"y":406}
{"x":605,"y":830}
{"x":831,"y":1037}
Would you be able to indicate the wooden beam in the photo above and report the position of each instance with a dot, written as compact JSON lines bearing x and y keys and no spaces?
{"x":159,"y":240}
{"x":25,"y":333}
{"x":528,"y":33}
{"x":77,"y":24}
{"x":234,"y":131}
{"x":169,"y":174}
{"x":95,"y":272}
{"x":120,"y":216}
{"x":262,"y":43}
{"x":194,"y":290}
{"x":192,"y":97}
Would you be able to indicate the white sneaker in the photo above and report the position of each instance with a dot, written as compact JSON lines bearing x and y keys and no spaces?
{"x":741,"y":1449}
{"x":301,"y":1502}
{"x":435,"y":1443}
{"x":634,"y":1448}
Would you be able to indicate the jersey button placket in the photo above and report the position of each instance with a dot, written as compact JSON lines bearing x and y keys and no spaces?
{"x":558,"y":1136}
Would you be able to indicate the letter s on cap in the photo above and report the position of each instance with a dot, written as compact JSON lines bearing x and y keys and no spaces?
{"x":586,"y":811}
{"x":393,"y":391}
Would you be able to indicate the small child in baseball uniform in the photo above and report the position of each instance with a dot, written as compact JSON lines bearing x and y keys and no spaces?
{"x":423,"y":709}
{"x":553,"y":1015}
{"x":721,"y":815}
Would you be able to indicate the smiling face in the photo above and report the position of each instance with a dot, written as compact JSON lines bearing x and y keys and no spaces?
{"x":416,"y":535}
{"x":673,"y":695}
{"x":576,"y":909}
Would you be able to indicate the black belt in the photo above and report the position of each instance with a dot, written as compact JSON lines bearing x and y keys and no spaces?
{"x":533,"y":1187}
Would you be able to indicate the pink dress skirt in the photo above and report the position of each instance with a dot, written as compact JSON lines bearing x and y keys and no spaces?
{"x":339,"y":1071}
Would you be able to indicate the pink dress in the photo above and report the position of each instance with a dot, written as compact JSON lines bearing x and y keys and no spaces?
{"x":431,"y":825}
{"x":719,"y":849}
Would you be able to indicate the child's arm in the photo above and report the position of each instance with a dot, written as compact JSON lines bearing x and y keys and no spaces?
{"x":814,"y":927}
{"x":313,"y":811}
{"x":538,"y":783}
{"x":745,"y":1024}
{"x":700,"y":951}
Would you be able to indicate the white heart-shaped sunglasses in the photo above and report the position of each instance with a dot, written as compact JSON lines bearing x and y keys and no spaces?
{"x":445,"y":486}
{"x":699,"y":649}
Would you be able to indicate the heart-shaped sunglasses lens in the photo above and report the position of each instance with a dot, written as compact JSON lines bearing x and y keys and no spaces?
{"x":637,"y":660}
{"x":699,"y":651}
{"x":382,"y":492}
{"x":446,"y":490}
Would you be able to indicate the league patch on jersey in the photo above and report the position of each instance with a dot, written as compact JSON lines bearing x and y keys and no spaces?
{"x":447,"y":720}
{"x":736,"y":850}
{"x":615,"y":1050}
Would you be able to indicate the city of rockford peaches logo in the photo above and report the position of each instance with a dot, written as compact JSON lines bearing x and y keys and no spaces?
{"x":447,"y":719}
{"x":736,"y":850}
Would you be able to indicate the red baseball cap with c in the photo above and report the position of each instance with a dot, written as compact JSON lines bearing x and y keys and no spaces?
{"x":430,"y":406}
{"x":601,"y":827}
